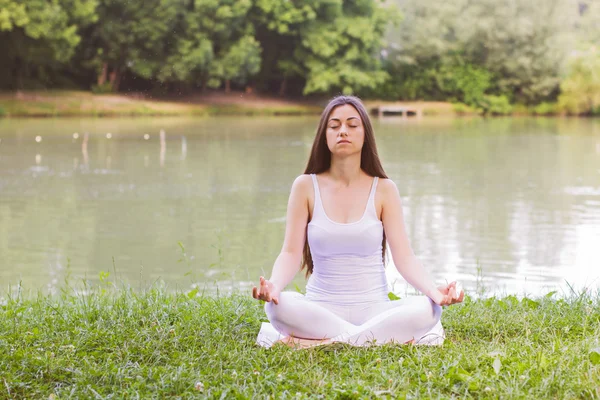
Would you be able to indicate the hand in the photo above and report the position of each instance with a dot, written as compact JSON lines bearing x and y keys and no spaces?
{"x":449,"y":295}
{"x":267,"y":291}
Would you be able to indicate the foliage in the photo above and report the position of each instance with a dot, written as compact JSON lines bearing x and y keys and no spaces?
{"x":546,"y":109}
{"x":38,"y":36}
{"x":102,"y":89}
{"x":495,"y":105}
{"x":580,"y":90}
{"x":98,"y":341}
{"x":333,"y":45}
{"x":517,"y":48}
{"x":215,"y":43}
{"x":465,"y":81}
{"x":527,"y":51}
{"x":129,"y":37}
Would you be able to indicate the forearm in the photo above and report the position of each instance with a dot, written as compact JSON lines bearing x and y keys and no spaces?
{"x":416,"y":275}
{"x":285,"y":268}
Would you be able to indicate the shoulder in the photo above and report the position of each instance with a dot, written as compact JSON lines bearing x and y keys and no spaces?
{"x":302,"y":181}
{"x":387,"y":187}
{"x":387,"y":191}
{"x":302,"y":184}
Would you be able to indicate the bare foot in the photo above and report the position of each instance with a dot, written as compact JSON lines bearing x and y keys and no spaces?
{"x":298,"y":343}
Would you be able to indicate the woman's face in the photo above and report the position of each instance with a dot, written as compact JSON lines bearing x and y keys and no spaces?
{"x":345,"y":132}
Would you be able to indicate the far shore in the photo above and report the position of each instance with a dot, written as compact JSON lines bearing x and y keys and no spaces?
{"x":65,"y":103}
{"x":57,"y":103}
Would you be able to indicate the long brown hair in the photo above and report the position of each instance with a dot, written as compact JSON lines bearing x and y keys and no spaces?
{"x":320,"y":157}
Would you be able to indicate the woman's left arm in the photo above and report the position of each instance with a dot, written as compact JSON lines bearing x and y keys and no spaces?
{"x":405,"y":260}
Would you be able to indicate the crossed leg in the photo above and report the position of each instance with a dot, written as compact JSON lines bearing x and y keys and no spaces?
{"x":395,"y":321}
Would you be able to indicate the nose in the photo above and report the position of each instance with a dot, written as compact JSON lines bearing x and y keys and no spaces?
{"x":343,"y":130}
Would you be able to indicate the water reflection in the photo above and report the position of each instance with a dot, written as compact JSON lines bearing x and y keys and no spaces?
{"x":515,"y":201}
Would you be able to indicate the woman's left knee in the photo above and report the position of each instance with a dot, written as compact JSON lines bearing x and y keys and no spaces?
{"x":434,"y":310}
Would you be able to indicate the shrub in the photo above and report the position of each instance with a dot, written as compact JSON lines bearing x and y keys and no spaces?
{"x":102,"y":89}
{"x":580,"y":90}
{"x":546,"y":109}
{"x":463,"y":109}
{"x":496,"y":105}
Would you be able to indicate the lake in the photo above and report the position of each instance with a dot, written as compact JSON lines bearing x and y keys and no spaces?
{"x":510,"y":204}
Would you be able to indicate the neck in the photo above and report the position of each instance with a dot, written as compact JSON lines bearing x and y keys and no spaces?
{"x":346,"y":170}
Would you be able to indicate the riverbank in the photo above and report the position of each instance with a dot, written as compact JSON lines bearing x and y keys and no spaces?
{"x":61,"y":103}
{"x":86,"y":104}
{"x":158,"y":344}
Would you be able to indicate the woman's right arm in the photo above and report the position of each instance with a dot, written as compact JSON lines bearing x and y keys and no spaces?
{"x":288,"y":263}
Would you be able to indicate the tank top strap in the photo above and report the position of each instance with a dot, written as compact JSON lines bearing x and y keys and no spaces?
{"x":317,"y":206}
{"x":371,"y":206}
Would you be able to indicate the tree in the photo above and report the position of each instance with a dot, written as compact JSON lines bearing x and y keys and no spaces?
{"x":521,"y":43}
{"x":129,"y":36}
{"x":332,"y":44}
{"x":39,"y":36}
{"x":216,"y":44}
{"x":240,"y":61}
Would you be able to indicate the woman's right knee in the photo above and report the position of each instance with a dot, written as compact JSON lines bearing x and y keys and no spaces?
{"x":276,"y":312}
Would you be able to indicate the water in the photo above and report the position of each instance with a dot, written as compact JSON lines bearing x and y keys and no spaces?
{"x":509,"y":204}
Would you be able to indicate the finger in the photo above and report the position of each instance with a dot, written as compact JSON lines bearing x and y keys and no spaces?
{"x":452,"y":293}
{"x":275,"y":300}
{"x":447,"y":300}
{"x":254,"y":292}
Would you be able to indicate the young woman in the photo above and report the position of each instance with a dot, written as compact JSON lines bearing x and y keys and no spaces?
{"x":340,"y":215}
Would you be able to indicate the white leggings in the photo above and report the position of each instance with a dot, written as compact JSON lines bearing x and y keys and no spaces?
{"x":398,"y":321}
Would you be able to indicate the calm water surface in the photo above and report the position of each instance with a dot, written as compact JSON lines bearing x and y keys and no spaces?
{"x":509,"y":204}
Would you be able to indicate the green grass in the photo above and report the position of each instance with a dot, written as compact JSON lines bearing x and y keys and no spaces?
{"x":125,"y":343}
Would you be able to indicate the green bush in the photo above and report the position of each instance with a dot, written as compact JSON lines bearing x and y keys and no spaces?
{"x":580,"y":90}
{"x":546,"y":109}
{"x":102,"y":89}
{"x":466,"y":81}
{"x":463,"y":109}
{"x":2,"y":112}
{"x":495,"y":105}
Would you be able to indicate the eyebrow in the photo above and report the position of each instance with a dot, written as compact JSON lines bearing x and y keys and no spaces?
{"x":337,"y":119}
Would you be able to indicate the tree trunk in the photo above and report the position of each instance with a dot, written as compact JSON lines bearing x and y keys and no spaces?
{"x":227,"y":86}
{"x":103,"y":73}
{"x":283,"y":87}
{"x":115,"y":79}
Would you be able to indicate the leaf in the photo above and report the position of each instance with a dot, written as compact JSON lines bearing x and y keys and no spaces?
{"x":550,"y":294}
{"x":595,"y":356}
{"x":497,"y":365}
{"x":530,"y":303}
{"x":458,"y":374}
{"x":392,"y":296}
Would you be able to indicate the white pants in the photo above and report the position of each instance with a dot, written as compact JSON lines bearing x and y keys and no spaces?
{"x":397,"y":321}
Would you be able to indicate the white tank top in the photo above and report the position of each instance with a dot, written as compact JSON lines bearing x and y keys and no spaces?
{"x":347,"y":260}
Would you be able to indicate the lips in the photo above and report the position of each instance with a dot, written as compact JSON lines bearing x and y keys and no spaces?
{"x":343,"y":141}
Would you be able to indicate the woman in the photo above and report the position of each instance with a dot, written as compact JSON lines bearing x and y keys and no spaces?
{"x":340,"y":214}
